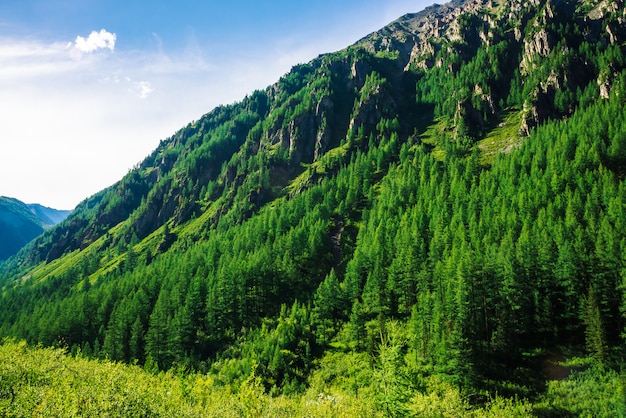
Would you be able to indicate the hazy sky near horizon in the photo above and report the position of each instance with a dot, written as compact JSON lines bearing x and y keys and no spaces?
{"x":89,"y":88}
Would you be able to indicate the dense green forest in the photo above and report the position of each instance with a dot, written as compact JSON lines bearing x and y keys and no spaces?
{"x":429,"y":222}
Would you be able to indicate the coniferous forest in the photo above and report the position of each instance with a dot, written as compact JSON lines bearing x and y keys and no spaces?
{"x":430,"y":222}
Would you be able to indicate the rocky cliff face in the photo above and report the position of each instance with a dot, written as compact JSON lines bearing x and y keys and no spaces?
{"x":418,"y":43}
{"x":533,"y":28}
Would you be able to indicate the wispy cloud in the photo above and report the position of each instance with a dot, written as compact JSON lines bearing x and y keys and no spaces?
{"x":21,"y":59}
{"x":27,"y":58}
{"x":141,"y":89}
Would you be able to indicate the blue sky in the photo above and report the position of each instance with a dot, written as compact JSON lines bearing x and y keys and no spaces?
{"x":90,"y":87}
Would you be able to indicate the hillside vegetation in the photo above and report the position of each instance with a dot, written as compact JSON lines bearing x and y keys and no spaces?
{"x":431,"y":221}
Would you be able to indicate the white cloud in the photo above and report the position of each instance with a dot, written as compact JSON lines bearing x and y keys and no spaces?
{"x":95,"y":41}
{"x":141,"y":89}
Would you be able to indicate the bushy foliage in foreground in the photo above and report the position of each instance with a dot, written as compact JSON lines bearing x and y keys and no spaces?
{"x":46,"y":382}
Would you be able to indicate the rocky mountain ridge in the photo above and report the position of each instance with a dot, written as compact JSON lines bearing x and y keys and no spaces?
{"x":418,"y":40}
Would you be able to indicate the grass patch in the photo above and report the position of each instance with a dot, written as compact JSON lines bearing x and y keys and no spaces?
{"x":432,"y":135}
{"x":328,"y":162}
{"x":502,"y":138}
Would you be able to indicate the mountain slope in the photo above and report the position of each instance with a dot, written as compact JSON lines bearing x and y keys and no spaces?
{"x":48,"y":216}
{"x":449,"y":191}
{"x":318,"y":104}
{"x":20,"y":223}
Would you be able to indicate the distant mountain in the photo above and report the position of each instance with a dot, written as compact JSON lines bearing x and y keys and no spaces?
{"x":48,"y":216}
{"x":21,"y":222}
